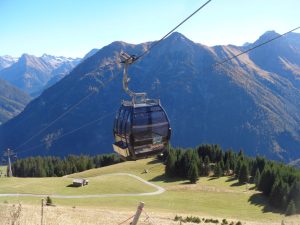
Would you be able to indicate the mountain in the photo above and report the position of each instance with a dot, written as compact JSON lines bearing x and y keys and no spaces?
{"x":31,"y":73}
{"x":62,"y":67}
{"x":295,"y":163}
{"x":12,"y":101}
{"x":252,"y":102}
{"x":91,"y":53}
{"x":7,"y":61}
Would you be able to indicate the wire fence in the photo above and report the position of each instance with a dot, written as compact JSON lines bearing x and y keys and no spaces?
{"x":21,"y":214}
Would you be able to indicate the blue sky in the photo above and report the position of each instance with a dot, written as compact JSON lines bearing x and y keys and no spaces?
{"x":73,"y":27}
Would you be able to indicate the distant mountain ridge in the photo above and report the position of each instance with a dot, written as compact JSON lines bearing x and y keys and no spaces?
{"x":12,"y":101}
{"x":31,"y":73}
{"x":91,"y":53}
{"x":7,"y":61}
{"x":252,"y":102}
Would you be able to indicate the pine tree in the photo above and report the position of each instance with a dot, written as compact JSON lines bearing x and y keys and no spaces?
{"x":227,"y":168}
{"x":237,"y":168}
{"x":244,"y":174}
{"x":189,"y":156}
{"x":170,"y":165}
{"x":193,"y":172}
{"x":295,"y":195}
{"x":179,"y":163}
{"x":267,"y":180}
{"x":200,"y":166}
{"x":222,"y":164}
{"x":278,"y":194}
{"x":241,"y":154}
{"x":206,"y":169}
{"x":257,"y":178}
{"x":218,"y":172}
{"x":291,"y":208}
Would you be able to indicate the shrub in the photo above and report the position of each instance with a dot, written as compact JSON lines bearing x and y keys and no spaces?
{"x":49,"y":201}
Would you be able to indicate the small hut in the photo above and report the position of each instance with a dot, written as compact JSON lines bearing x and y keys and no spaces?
{"x":80,"y":182}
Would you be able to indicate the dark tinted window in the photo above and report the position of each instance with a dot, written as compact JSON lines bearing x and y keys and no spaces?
{"x":142,"y":118}
{"x":120,"y":119}
{"x":116,"y":121}
{"x":124,"y":120}
{"x":158,"y":117}
{"x":161,"y":130}
{"x":128,"y":122}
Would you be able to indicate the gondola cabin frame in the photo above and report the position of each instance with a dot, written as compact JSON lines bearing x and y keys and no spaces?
{"x":141,"y":129}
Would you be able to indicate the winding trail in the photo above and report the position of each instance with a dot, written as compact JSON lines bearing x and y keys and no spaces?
{"x":159,"y":190}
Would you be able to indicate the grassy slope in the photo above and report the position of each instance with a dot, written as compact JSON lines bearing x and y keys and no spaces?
{"x":211,"y":197}
{"x":97,"y":185}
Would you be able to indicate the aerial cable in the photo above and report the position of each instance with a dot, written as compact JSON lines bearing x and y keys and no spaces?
{"x":157,"y":42}
{"x":254,"y":47}
{"x":69,"y":132}
{"x":54,"y":121}
{"x":64,"y":114}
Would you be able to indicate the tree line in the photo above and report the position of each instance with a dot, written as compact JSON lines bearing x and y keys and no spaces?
{"x":279,"y":182}
{"x":52,"y":166}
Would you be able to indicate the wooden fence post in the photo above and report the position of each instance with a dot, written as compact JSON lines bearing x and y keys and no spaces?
{"x":138,"y":213}
{"x":42,"y":212}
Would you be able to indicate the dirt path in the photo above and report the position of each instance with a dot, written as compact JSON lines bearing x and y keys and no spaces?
{"x":159,"y":190}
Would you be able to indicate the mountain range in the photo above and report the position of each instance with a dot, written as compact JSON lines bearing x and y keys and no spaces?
{"x":251,"y":102}
{"x":31,"y":74}
{"x":7,"y":61}
{"x":12,"y":101}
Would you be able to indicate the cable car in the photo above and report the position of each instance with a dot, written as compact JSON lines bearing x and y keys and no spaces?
{"x":141,"y":126}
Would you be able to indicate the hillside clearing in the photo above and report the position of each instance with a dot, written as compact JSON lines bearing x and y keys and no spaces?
{"x":222,"y":198}
{"x":114,"y":184}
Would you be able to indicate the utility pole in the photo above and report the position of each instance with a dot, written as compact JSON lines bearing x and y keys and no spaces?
{"x":8,"y":153}
{"x":138,"y":213}
{"x":42,"y":212}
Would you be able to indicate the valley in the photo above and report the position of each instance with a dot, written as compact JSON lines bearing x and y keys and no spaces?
{"x":210,"y":197}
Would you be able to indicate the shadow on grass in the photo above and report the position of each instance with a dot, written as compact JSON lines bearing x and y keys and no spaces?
{"x":252,"y":188}
{"x":73,"y":186}
{"x":259,"y":199}
{"x":165,"y":179}
{"x":186,"y":182}
{"x":154,"y":161}
{"x":231,"y":179}
{"x":236,"y":184}
{"x":213,"y":178}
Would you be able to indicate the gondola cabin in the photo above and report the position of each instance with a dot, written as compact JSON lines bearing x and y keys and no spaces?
{"x":141,"y":129}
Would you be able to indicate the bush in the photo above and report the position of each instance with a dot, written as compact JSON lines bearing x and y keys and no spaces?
{"x":211,"y":221}
{"x":188,"y":219}
{"x":49,"y":201}
{"x":178,"y":218}
{"x":224,"y":222}
{"x":192,"y":219}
